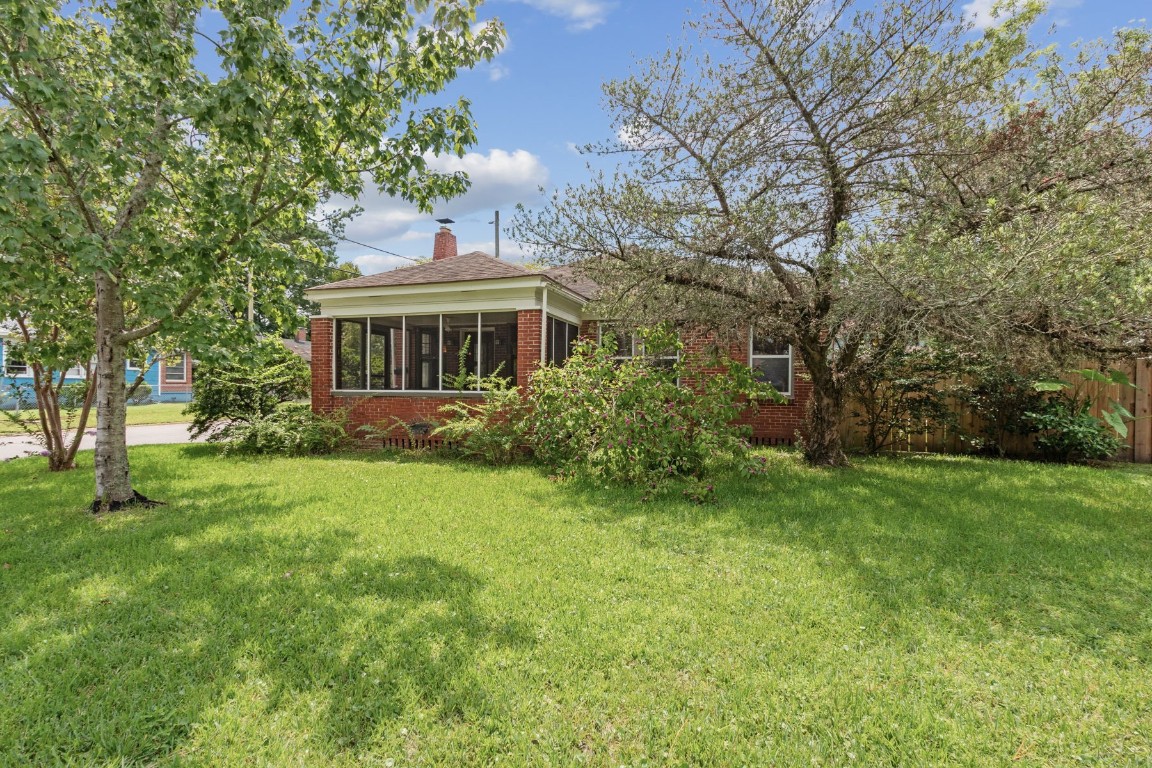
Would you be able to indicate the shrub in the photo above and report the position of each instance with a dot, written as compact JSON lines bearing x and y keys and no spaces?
{"x":491,"y":429}
{"x":639,"y":420}
{"x":905,"y":391}
{"x":72,"y":395}
{"x":1069,"y":432}
{"x":142,"y":394}
{"x":1002,"y":398}
{"x":291,"y":429}
{"x":249,"y":390}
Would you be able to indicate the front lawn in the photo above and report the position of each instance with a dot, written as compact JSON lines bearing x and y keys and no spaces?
{"x":381,"y":611}
{"x":153,"y":413}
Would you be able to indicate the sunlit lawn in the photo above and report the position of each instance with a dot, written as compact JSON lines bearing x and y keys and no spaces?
{"x":155,"y":413}
{"x":368,"y":610}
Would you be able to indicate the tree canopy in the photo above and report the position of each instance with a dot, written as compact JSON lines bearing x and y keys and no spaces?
{"x":164,"y":149}
{"x":851,"y":180}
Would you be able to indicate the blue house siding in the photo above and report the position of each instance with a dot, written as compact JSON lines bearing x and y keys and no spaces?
{"x":162,"y":392}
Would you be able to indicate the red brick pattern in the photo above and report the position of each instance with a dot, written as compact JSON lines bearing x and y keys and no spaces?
{"x":322,"y":330}
{"x":528,"y":329}
{"x":444,"y":246}
{"x":771,"y":422}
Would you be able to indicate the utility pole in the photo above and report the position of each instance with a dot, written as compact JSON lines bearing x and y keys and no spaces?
{"x":497,"y":223}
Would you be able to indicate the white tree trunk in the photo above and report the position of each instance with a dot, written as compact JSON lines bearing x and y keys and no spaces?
{"x":113,"y":479}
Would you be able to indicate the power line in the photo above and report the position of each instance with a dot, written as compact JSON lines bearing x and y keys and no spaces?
{"x":374,"y":248}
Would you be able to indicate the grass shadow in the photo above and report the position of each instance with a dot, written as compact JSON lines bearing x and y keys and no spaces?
{"x":160,"y":619}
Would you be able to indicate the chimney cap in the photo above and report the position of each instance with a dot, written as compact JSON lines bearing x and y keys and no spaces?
{"x":445,"y":222}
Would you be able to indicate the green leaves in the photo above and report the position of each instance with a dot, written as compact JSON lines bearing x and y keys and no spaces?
{"x":142,"y":142}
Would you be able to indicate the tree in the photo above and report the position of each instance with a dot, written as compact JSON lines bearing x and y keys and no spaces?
{"x":850,"y":180}
{"x":167,"y":148}
{"x":245,"y":390}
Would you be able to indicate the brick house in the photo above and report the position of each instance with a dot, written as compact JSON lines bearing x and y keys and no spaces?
{"x":389,"y":345}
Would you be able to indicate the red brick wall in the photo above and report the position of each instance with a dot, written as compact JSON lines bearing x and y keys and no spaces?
{"x":528,"y":330}
{"x":322,"y":330}
{"x":771,"y":422}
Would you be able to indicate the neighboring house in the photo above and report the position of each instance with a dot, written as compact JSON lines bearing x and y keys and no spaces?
{"x":299,"y":345}
{"x":387,"y":346}
{"x":170,"y":377}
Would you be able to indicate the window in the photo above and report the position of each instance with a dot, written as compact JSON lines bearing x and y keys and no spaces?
{"x":561,"y":337}
{"x":625,"y":341}
{"x":14,"y":362}
{"x":174,"y":368}
{"x":771,"y":361}
{"x":424,"y":352}
{"x":629,"y":344}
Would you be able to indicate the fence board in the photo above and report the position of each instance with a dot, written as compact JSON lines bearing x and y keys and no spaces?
{"x":1142,"y":427}
{"x":1138,"y":401}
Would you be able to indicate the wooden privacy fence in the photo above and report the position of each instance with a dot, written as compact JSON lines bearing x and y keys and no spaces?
{"x":1138,"y":401}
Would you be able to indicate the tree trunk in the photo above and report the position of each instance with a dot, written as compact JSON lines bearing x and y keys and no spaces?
{"x":113,"y":479}
{"x":822,"y":444}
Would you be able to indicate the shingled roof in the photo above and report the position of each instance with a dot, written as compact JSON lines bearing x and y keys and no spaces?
{"x":465,"y":267}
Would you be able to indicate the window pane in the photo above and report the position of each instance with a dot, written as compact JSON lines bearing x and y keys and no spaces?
{"x":775,"y":371}
{"x":174,"y":368}
{"x":762,"y":345}
{"x":498,"y":345}
{"x":621,"y":337}
{"x":350,"y":343}
{"x":383,"y":362}
{"x":422,"y":351}
{"x":14,"y":362}
{"x":561,"y":337}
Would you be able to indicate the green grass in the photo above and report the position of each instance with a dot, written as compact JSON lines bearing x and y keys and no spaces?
{"x":381,"y":611}
{"x":155,"y":413}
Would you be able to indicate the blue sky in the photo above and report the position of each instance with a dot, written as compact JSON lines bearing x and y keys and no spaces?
{"x":540,"y":99}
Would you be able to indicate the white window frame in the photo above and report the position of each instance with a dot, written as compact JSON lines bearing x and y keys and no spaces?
{"x":479,"y":330}
{"x":9,"y":370}
{"x":637,"y":347}
{"x":183,"y":370}
{"x":791,"y":365}
{"x":550,"y":324}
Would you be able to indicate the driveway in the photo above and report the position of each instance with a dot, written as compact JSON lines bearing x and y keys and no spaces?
{"x":12,"y":446}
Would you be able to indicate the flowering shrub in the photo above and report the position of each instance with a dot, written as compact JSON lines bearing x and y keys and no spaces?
{"x":639,"y":420}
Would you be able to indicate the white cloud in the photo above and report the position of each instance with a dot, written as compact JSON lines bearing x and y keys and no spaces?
{"x":372,"y":263}
{"x":580,"y":14}
{"x":986,"y":14}
{"x":500,"y":179}
{"x":980,"y":13}
{"x":510,"y":250}
{"x":497,"y":72}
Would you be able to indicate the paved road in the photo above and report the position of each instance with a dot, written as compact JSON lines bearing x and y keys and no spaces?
{"x":12,"y":446}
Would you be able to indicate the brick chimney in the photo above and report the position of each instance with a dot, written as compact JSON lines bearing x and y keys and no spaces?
{"x":301,"y":335}
{"x":445,"y":245}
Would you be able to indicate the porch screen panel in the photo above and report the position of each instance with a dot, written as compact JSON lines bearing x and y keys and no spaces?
{"x":498,"y":345}
{"x":351,"y":360}
{"x":561,"y":337}
{"x":459,"y":351}
{"x":383,"y":359}
{"x":422,"y":351}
